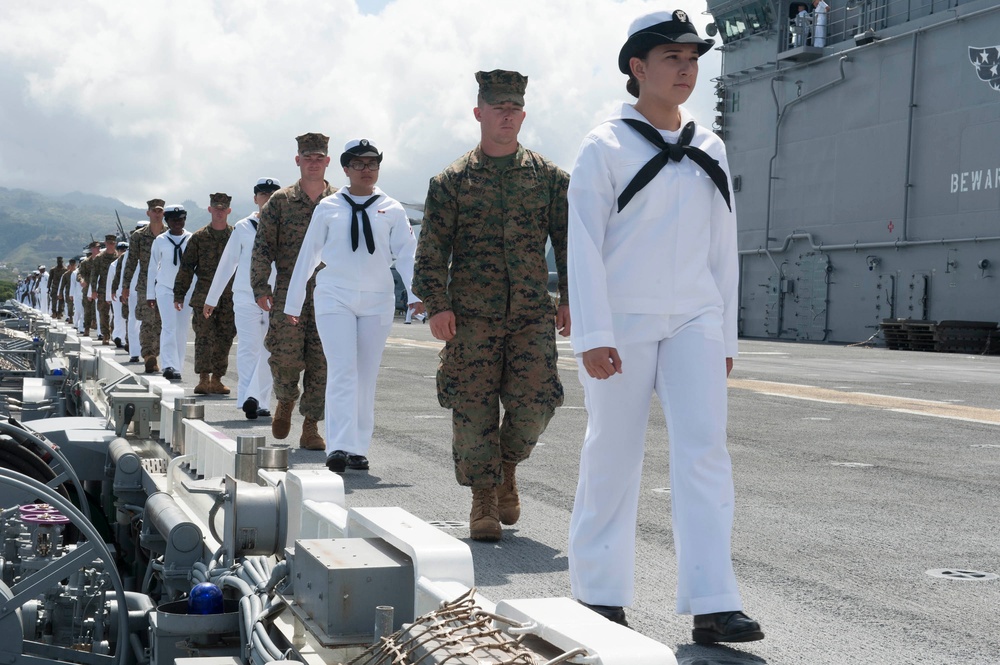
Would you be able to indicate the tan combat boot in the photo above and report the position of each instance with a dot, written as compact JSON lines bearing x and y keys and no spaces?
{"x":282,"y":421}
{"x":310,"y":438}
{"x":484,"y":522}
{"x":508,"y":502}
{"x":204,"y":386}
{"x":151,"y":367}
{"x":216,"y":386}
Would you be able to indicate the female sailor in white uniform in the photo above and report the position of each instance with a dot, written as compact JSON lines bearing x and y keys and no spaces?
{"x":357,"y":233}
{"x":653,"y":296}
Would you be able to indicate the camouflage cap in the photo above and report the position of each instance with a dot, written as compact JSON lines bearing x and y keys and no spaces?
{"x":59,"y":259}
{"x":155,"y":204}
{"x":111,"y":237}
{"x":499,"y":86}
{"x":219,"y":200}
{"x":313,"y":144}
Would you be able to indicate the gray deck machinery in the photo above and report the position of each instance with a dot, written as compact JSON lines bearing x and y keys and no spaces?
{"x":136,"y":533}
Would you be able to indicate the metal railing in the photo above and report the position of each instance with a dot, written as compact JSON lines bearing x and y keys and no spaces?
{"x":846,"y":19}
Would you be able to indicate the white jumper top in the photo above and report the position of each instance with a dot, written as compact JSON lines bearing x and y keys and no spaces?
{"x":671,"y":251}
{"x":161,"y":263}
{"x":328,"y":239}
{"x":236,"y":259}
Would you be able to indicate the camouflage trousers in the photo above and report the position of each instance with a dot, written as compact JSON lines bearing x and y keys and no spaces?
{"x":294,"y":350}
{"x":89,"y":313}
{"x":57,"y":306}
{"x":104,"y":316}
{"x":69,"y":308}
{"x":149,"y":328}
{"x":213,"y":338}
{"x":487,"y":363}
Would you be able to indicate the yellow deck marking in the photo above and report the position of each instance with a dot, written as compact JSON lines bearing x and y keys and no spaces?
{"x":920,"y":407}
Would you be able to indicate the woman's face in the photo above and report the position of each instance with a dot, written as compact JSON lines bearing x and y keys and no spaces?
{"x":669,"y":72}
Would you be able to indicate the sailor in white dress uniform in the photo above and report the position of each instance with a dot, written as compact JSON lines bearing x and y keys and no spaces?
{"x":653,"y":277}
{"x":357,"y":233}
{"x":164,"y":261}
{"x":253,"y":390}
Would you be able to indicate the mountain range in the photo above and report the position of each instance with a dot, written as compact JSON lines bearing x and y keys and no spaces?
{"x":35,"y":228}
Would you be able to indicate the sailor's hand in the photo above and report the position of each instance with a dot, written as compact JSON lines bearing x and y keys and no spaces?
{"x":207,"y":311}
{"x":417,"y":308}
{"x":602,"y":362}
{"x":151,"y":303}
{"x":443,"y":325}
{"x":562,"y":320}
{"x":265,"y":303}
{"x":729,"y":366}
{"x":178,"y":306}
{"x":124,"y":295}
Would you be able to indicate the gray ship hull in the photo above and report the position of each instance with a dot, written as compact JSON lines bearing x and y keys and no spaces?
{"x":867,"y":171}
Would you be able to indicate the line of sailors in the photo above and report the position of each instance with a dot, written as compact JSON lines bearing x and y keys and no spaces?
{"x":83,"y":291}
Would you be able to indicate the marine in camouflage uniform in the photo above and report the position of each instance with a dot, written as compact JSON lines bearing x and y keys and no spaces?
{"x":87,"y":274}
{"x":294,"y":348}
{"x":213,"y":335}
{"x":55,"y":281}
{"x":99,"y":285}
{"x":139,"y":245}
{"x":486,"y":221}
{"x":64,"y":287}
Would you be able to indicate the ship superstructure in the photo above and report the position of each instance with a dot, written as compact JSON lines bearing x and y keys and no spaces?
{"x":864,"y":145}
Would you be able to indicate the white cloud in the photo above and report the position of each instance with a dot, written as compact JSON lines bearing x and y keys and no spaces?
{"x":187,"y":97}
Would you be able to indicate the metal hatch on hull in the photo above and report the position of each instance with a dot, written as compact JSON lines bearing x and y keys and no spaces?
{"x":873,"y":155}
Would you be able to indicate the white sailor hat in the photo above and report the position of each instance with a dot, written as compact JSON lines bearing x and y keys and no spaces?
{"x":41,"y":267}
{"x":174,"y":210}
{"x":266,"y":185}
{"x":359,"y":148}
{"x":657,"y":28}
{"x":141,"y":224}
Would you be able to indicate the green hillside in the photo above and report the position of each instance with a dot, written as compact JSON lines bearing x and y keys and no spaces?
{"x":35,"y":228}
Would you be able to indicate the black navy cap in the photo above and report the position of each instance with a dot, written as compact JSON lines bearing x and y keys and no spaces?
{"x":658,"y":28}
{"x":268,"y":185}
{"x":359,"y":148}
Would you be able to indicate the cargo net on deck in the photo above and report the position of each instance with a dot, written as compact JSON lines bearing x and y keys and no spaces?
{"x":462,"y":633}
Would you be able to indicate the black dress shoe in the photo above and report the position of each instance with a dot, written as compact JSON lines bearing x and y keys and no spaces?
{"x":337,"y":461}
{"x":613,"y":613}
{"x":250,"y":408}
{"x":118,"y":342}
{"x":357,"y":462}
{"x":725,"y":627}
{"x":263,"y":413}
{"x":134,"y":359}
{"x":171,"y":374}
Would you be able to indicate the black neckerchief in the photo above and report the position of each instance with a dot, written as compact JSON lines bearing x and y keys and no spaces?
{"x":668,"y":152}
{"x":365,"y":222}
{"x":178,"y":249}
